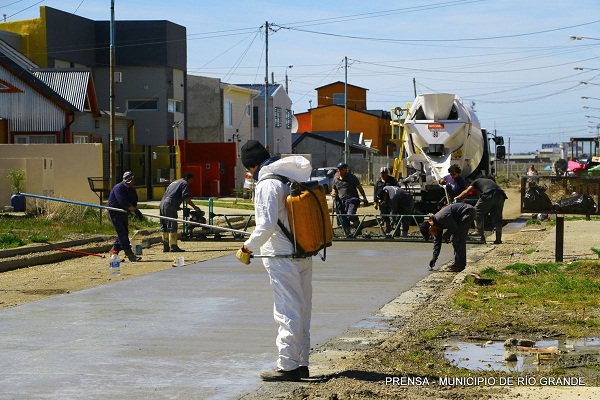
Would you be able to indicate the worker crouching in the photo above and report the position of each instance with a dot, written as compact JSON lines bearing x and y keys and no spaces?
{"x":456,"y":219}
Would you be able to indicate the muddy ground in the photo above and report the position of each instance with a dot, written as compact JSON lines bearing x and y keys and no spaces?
{"x":359,"y":373}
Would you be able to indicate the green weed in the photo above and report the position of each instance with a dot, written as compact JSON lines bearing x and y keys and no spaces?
{"x":9,"y":240}
{"x":528,"y":269}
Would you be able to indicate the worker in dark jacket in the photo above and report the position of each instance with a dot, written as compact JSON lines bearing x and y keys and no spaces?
{"x":123,"y":196}
{"x":177,"y":192}
{"x":456,"y":219}
{"x":491,"y":200}
{"x":394,"y":201}
{"x":385,"y":179}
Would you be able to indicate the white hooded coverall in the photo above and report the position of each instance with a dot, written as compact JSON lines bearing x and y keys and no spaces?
{"x":290,"y":278}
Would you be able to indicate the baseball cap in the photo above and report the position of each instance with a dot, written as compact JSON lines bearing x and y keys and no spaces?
{"x":342,"y":165}
{"x":128,"y":177}
{"x":424,"y":228}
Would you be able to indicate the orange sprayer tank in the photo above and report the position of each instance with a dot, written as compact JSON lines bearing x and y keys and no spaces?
{"x":308,"y":214}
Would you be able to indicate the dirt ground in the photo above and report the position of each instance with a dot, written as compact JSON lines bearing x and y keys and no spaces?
{"x":362,"y":375}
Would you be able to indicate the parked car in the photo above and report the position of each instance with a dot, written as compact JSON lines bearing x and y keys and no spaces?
{"x":248,"y":186}
{"x":324,"y":176}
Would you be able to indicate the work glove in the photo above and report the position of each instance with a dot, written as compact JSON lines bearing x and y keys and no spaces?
{"x":243,"y":257}
{"x":138,"y":214}
{"x":432,"y":263}
{"x":376,"y":205}
{"x":365,"y":202}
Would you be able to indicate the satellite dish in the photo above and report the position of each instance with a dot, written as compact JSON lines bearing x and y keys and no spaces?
{"x":294,"y":124}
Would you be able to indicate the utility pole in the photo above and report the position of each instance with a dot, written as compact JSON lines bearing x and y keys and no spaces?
{"x":346,"y":133}
{"x":508,"y":160}
{"x":112,"y":156}
{"x":415,"y":87}
{"x":267,"y":85}
{"x":495,"y":154}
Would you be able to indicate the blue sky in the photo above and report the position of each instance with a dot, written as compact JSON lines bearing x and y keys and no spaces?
{"x":512,"y":59}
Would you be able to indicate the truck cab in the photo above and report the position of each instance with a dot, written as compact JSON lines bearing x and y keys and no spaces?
{"x":324,"y":177}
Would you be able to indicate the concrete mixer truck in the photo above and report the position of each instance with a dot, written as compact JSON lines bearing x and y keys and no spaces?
{"x":438,"y":131}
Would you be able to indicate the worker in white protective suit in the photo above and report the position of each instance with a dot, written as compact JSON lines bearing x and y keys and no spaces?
{"x":290,"y":278}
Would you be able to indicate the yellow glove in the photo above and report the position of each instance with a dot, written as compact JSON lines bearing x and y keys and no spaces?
{"x":243,"y":257}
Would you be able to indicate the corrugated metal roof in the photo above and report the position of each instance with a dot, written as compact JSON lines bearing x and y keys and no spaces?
{"x":334,"y":137}
{"x":16,"y":57}
{"x":23,"y":68}
{"x":71,"y":84}
{"x":261,"y":88}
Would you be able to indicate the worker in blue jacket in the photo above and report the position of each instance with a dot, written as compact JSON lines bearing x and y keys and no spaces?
{"x":123,"y":196}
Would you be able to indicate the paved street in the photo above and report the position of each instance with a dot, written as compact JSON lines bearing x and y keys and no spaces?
{"x":204,"y":331}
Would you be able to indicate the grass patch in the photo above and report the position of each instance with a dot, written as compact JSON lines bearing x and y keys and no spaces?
{"x":528,"y":269}
{"x":59,"y":222}
{"x":9,"y":240}
{"x":552,"y":222}
{"x":240,"y":204}
{"x":556,"y":296}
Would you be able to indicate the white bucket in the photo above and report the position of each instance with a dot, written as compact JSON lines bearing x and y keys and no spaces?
{"x":178,"y":262}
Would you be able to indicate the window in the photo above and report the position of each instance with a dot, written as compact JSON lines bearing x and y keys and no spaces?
{"x":338,"y":98}
{"x":142,"y":105}
{"x":255,"y":117}
{"x":248,"y":109}
{"x":174,"y":106}
{"x":35,"y":139}
{"x":228,"y":113}
{"x":288,"y":119}
{"x":277,"y":117}
{"x":81,"y":139}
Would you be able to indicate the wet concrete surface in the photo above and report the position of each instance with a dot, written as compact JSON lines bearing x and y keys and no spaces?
{"x":204,"y":331}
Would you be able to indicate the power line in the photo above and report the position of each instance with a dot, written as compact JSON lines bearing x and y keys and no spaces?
{"x":438,"y":40}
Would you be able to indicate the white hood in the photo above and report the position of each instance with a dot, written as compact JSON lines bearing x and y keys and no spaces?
{"x":296,"y":168}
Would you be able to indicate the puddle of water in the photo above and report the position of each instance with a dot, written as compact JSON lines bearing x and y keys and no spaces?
{"x":374,"y":322}
{"x":481,"y":356}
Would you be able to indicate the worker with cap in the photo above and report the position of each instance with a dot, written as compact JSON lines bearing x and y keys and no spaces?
{"x":456,"y":219}
{"x":385,"y":179}
{"x":345,"y":192}
{"x":290,"y":278}
{"x":177,"y":192}
{"x":491,"y":200}
{"x":124,"y":197}
{"x":394,"y":201}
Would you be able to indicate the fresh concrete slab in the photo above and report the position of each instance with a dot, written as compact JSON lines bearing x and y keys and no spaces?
{"x":203,"y":331}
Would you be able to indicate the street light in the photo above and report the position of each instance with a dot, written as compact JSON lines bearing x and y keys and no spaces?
{"x":592,"y":116}
{"x":582,"y":37}
{"x":585,"y":68}
{"x":591,"y":108}
{"x":586,"y":97}
{"x":589,"y":83}
{"x":286,"y":77}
